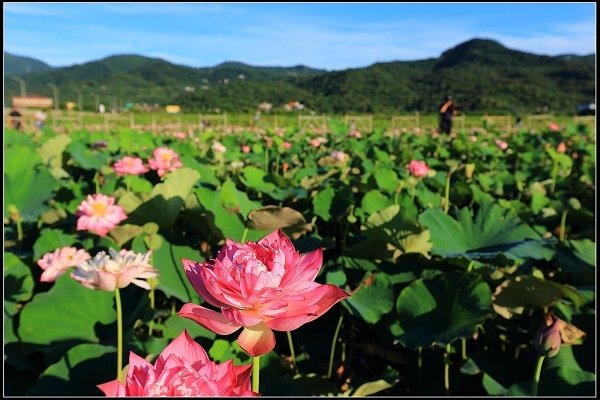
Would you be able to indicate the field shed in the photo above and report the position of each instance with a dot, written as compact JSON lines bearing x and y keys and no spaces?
{"x":32,"y":102}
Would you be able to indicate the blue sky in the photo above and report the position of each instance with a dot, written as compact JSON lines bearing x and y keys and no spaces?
{"x":321,"y":35}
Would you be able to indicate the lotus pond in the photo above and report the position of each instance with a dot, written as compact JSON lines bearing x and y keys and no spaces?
{"x":356,"y":263}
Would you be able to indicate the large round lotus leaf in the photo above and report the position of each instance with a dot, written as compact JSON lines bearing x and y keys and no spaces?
{"x":50,"y":240}
{"x":491,"y":232}
{"x":173,"y":280}
{"x":442,"y":309}
{"x":78,"y":372}
{"x":515,"y":295}
{"x":18,"y":284}
{"x":65,"y":315}
{"x":372,"y":299}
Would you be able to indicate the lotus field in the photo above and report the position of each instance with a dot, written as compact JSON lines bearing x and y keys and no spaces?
{"x":300,"y":263}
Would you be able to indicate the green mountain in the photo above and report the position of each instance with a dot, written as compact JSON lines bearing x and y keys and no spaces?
{"x":15,"y":65}
{"x":482,"y":75}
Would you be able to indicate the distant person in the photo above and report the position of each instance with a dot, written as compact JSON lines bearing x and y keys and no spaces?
{"x":448,"y":109}
{"x":40,"y":118}
{"x":15,"y":118}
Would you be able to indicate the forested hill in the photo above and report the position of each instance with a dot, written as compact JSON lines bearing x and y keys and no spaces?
{"x":482,"y":75}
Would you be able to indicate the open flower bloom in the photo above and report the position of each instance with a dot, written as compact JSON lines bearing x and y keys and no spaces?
{"x":130,"y":166}
{"x":164,"y":160}
{"x":182,"y":369}
{"x":99,"y":214}
{"x":418,"y":168}
{"x":261,"y":287}
{"x":502,"y":145}
{"x":59,"y":261}
{"x":340,"y":155}
{"x":117,"y":270}
{"x":218,"y":147}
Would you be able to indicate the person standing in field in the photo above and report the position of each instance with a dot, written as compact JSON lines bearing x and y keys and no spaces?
{"x":447,"y":111}
{"x":15,"y":118}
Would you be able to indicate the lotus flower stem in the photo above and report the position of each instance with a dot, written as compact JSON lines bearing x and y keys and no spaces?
{"x":97,"y":181}
{"x":276,"y":163}
{"x":447,"y":369}
{"x":19,"y":230}
{"x":464,"y":349}
{"x":119,"y":334}
{"x":563,"y":221}
{"x":470,"y":267}
{"x":244,"y":235}
{"x":292,"y":352}
{"x":255,"y":373}
{"x":447,"y":195}
{"x":152,"y":301}
{"x":554,"y":174}
{"x":332,"y":352}
{"x":267,"y":160}
{"x":536,"y":376}
{"x":420,"y":367}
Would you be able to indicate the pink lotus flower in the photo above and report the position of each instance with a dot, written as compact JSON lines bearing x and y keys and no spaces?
{"x":316,"y":142}
{"x":99,"y":214}
{"x":418,"y":168}
{"x":261,"y":287}
{"x":340,"y":155}
{"x":561,"y":148}
{"x":355,"y":134}
{"x":553,"y":127}
{"x":245,"y":149}
{"x":182,"y":369}
{"x":118,"y":270}
{"x":164,"y":160}
{"x":502,"y":145}
{"x":180,"y":135}
{"x":287,"y":145}
{"x":59,"y":261}
{"x":130,"y":165}
{"x":218,"y":147}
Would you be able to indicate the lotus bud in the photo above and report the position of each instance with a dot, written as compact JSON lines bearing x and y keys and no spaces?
{"x":547,"y":340}
{"x":469,"y":169}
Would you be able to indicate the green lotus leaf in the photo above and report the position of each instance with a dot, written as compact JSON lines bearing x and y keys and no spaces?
{"x":71,"y":319}
{"x":513,"y":296}
{"x":439,"y":310}
{"x":493,"y":231}
{"x":18,"y":284}
{"x":173,"y":280}
{"x":50,"y":240}
{"x":372,"y":299}
{"x":71,"y":375}
{"x":387,"y":180}
{"x":28,"y":191}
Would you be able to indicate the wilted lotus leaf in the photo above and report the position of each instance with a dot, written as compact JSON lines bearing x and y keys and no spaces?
{"x":271,"y":218}
{"x":515,"y":295}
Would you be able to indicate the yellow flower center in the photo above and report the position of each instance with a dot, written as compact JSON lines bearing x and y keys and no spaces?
{"x":166,"y":157}
{"x":99,"y":209}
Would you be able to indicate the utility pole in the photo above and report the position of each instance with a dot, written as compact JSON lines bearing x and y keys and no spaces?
{"x":21,"y":84}
{"x":56,"y":98}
